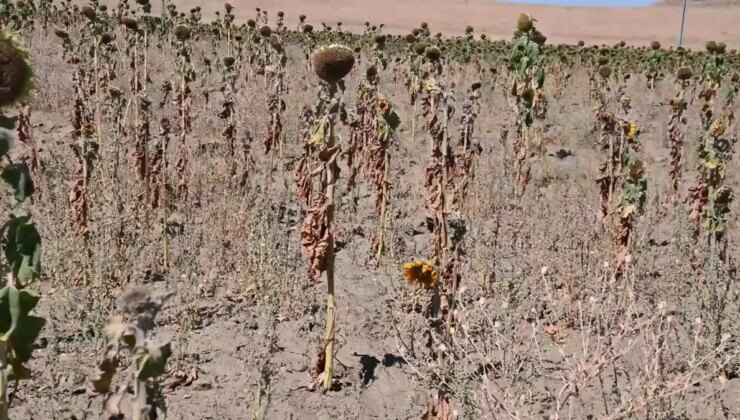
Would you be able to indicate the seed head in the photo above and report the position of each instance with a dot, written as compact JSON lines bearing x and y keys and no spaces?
{"x":602,"y":60}
{"x":265,"y":31}
{"x":281,"y":14}
{"x":182,"y":32}
{"x":333,"y":62}
{"x":130,"y":23}
{"x":468,"y":30}
{"x":229,"y":61}
{"x":420,"y":48}
{"x":61,"y":34}
{"x":251,"y":23}
{"x":581,"y":43}
{"x":605,"y":71}
{"x":416,"y":31}
{"x":424,"y":25}
{"x":528,"y":96}
{"x":103,"y":8}
{"x":524,"y":23}
{"x":410,"y":38}
{"x":106,"y":38}
{"x":302,"y":18}
{"x":228,"y":7}
{"x":538,"y":38}
{"x":433,"y":53}
{"x":684,"y":73}
{"x":721,"y":47}
{"x":15,"y":70}
{"x":89,"y":12}
{"x":308,"y":29}
{"x":711,"y":46}
{"x":275,"y":42}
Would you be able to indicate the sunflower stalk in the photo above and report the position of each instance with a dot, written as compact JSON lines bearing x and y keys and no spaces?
{"x":331,"y":64}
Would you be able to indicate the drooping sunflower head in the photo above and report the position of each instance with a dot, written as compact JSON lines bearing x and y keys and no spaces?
{"x":525,"y":22}
{"x":433,"y":53}
{"x":130,"y":23}
{"x":265,"y":31}
{"x":528,"y":96}
{"x":421,"y":273}
{"x":723,"y":195}
{"x":420,"y":47}
{"x":636,"y":169}
{"x":89,"y":12}
{"x":684,"y":73}
{"x":468,"y":30}
{"x":182,"y":32}
{"x":655,"y":45}
{"x":331,"y":63}
{"x":16,"y":73}
{"x":605,"y":71}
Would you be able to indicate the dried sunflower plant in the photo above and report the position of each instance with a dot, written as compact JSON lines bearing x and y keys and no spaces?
{"x":527,"y":73}
{"x":331,"y":64}
{"x":709,"y":197}
{"x":127,"y":336}
{"x":676,"y":131}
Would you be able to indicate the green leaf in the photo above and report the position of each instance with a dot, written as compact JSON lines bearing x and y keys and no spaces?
{"x":22,"y":249}
{"x":19,"y":328}
{"x":6,"y":136}
{"x":540,"y":78}
{"x":18,"y":178}
{"x":8,"y":123}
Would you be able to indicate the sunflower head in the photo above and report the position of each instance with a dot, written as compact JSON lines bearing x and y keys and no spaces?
{"x":89,"y":12}
{"x":265,"y":31}
{"x":333,"y":62}
{"x":525,"y":22}
{"x":421,"y":272}
{"x":182,"y":32}
{"x":384,"y":107}
{"x":684,"y":73}
{"x":631,"y":130}
{"x":655,"y":45}
{"x":433,"y":53}
{"x":16,"y":73}
{"x":605,"y":71}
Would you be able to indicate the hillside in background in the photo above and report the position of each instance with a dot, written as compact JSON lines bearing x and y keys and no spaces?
{"x":713,"y":3}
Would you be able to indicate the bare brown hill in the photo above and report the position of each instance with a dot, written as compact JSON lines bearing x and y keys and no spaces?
{"x":561,"y":24}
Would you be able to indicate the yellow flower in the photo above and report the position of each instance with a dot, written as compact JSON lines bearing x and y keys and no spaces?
{"x":421,"y":272}
{"x":384,"y":107}
{"x":718,"y":128}
{"x":630,"y":130}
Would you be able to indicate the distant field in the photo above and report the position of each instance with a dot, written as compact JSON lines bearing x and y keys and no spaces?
{"x":561,"y":24}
